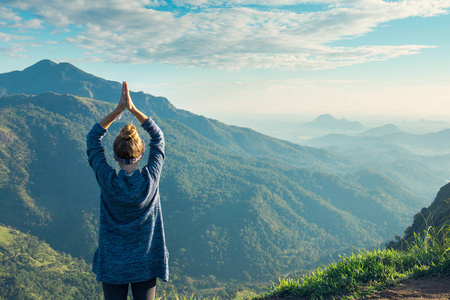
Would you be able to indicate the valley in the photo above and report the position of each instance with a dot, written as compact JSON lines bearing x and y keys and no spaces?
{"x":237,"y":204}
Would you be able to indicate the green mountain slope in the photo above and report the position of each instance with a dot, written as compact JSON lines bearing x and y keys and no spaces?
{"x":30,"y":269}
{"x":48,"y":76}
{"x":422,"y":252}
{"x":394,"y":155}
{"x":64,"y":78}
{"x":226,"y":214}
{"x":434,"y":219}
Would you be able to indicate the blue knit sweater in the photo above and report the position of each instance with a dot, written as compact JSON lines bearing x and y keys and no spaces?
{"x":131,"y":245}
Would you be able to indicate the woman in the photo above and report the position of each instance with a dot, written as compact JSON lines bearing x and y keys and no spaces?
{"x":131,"y":245}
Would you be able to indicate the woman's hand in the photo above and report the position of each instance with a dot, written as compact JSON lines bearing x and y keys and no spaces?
{"x":123,"y":103}
{"x":130,"y":104}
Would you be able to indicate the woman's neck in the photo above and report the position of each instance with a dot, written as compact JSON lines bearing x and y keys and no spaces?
{"x":128,"y":167}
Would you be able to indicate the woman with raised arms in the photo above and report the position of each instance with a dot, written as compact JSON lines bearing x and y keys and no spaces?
{"x":131,"y":248}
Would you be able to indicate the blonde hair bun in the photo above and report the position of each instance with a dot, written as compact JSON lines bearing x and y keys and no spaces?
{"x":128,"y":144}
{"x":129,"y":132}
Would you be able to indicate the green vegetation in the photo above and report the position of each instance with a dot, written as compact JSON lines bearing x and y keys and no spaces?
{"x":238,"y":206}
{"x":418,"y":163}
{"x":436,"y":216}
{"x":365,"y":272}
{"x":227,"y":215}
{"x":30,"y":269}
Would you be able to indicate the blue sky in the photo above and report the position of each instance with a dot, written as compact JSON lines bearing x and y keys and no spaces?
{"x":249,"y":57}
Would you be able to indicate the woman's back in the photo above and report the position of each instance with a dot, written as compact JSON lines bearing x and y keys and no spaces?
{"x":131,"y":246}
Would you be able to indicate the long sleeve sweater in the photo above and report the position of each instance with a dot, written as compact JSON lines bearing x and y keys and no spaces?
{"x":131,"y":244}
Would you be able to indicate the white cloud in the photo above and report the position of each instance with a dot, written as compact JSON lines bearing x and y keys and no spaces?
{"x":11,"y":19}
{"x":6,"y":14}
{"x":228,"y":34}
{"x":30,"y":24}
{"x":209,"y":3}
{"x":14,"y":51}
{"x":5,"y":37}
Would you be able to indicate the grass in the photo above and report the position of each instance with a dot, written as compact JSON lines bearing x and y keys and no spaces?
{"x":244,"y":295}
{"x":366,"y":272}
{"x":182,"y":296}
{"x":6,"y":235}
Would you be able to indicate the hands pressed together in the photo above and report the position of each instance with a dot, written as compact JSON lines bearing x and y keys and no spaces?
{"x":124,"y":103}
{"x":125,"y":99}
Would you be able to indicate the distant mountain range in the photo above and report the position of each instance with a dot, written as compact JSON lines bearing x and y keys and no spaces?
{"x":383,"y":148}
{"x":298,"y":131}
{"x":64,"y":78}
{"x":328,"y":122}
{"x":237,"y":204}
{"x":377,"y":144}
{"x":382,"y":130}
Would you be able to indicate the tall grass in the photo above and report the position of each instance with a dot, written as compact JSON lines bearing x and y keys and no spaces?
{"x":174,"y":295}
{"x":365,"y":272}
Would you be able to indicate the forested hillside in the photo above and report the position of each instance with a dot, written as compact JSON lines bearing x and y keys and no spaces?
{"x":418,"y":162}
{"x":64,"y":78}
{"x":30,"y":269}
{"x":236,"y":203}
{"x":225,"y":214}
{"x":434,"y":219}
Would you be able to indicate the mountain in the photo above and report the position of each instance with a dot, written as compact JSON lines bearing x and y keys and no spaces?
{"x":388,"y":138}
{"x":241,"y":214}
{"x":434,"y":143}
{"x":31,"y":269}
{"x":382,"y":130}
{"x":423,"y":126}
{"x":237,"y":204}
{"x":330,"y":123}
{"x":46,"y":75}
{"x":419,"y":163}
{"x":64,"y":78}
{"x":436,"y":216}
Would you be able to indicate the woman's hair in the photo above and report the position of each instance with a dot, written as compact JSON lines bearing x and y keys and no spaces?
{"x":128,"y":144}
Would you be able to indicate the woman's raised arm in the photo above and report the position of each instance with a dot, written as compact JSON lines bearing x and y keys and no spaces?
{"x":107,"y":121}
{"x":156,"y":155}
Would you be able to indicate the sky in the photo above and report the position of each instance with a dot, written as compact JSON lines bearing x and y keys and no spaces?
{"x":249,"y":58}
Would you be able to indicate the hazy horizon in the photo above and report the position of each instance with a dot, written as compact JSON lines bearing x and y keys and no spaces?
{"x":273,"y":125}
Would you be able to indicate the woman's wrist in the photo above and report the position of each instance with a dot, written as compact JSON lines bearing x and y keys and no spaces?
{"x":133,"y":109}
{"x":118,"y":110}
{"x":138,"y":115}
